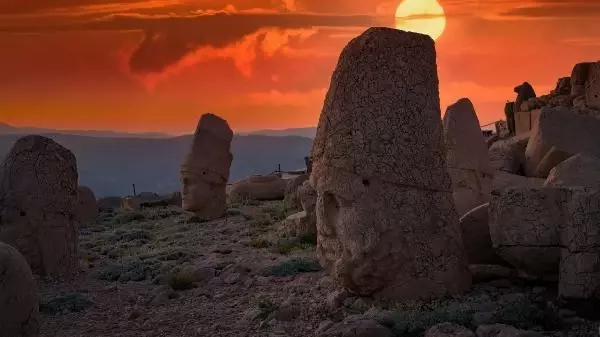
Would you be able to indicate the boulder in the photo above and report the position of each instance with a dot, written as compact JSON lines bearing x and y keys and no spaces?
{"x":579,"y":170}
{"x":579,"y":77}
{"x":19,"y":300}
{"x":524,"y":227}
{"x":38,"y":205}
{"x":592,"y":86}
{"x":524,"y":92}
{"x":490,"y":272}
{"x":509,"y":155}
{"x":503,"y":330}
{"x":467,"y":156}
{"x":476,"y":236}
{"x":205,"y":169}
{"x":503,"y":180}
{"x":291,"y":200}
{"x":87,"y":206}
{"x":563,"y":86}
{"x":308,"y":197}
{"x":386,"y":221}
{"x":258,"y":187}
{"x":299,"y":224}
{"x":579,"y":276}
{"x":559,"y":135}
{"x":131,"y":203}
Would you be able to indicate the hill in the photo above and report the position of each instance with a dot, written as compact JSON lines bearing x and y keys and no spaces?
{"x":7,"y":129}
{"x":109,"y":166}
{"x":309,"y":132}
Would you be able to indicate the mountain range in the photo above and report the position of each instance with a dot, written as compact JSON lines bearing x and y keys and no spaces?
{"x":110,"y":165}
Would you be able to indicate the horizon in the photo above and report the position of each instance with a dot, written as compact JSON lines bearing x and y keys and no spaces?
{"x":149,"y":66}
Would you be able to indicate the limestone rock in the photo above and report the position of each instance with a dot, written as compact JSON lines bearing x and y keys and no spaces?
{"x":503,"y":180}
{"x":257,"y":187}
{"x":559,"y":135}
{"x":19,"y":300}
{"x":205,"y":169}
{"x":579,"y":77}
{"x":563,"y":86}
{"x":38,"y":202}
{"x":448,"y":330}
{"x":308,"y":197}
{"x":467,"y":156}
{"x":291,"y":200}
{"x":476,"y":236}
{"x":592,"y":86}
{"x":386,"y":221}
{"x":509,"y":155}
{"x":524,"y":92}
{"x":299,"y":224}
{"x":131,"y":203}
{"x":524,"y":227}
{"x":87,"y":206}
{"x":356,"y":328}
{"x":579,"y":275}
{"x":579,"y":170}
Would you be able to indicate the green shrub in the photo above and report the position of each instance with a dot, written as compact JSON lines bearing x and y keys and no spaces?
{"x":266,"y":307}
{"x":131,"y":270}
{"x":292,"y":267}
{"x":179,"y":280}
{"x":260,"y":243}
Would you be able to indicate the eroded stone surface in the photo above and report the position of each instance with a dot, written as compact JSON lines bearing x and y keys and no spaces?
{"x":448,"y":330}
{"x":467,"y":156}
{"x":525,"y":227}
{"x":503,"y":180}
{"x":579,"y":77}
{"x":292,"y":201}
{"x":38,"y":202}
{"x":509,"y":155}
{"x":524,"y":92}
{"x":592,"y":86}
{"x":19,"y":300}
{"x":205,"y":169}
{"x":257,"y":187}
{"x":559,"y":135}
{"x":579,"y":170}
{"x":386,"y":221}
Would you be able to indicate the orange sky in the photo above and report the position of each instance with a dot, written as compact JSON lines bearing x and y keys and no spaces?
{"x":157,"y":65}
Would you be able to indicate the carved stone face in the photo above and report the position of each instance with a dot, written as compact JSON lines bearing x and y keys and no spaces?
{"x":195,"y":192}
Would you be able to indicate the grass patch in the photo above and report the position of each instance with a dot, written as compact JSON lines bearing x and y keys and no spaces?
{"x":64,"y":304}
{"x":292,"y":267}
{"x":131,"y":270}
{"x":266,"y":307}
{"x":125,"y":217}
{"x":259,"y":243}
{"x":308,"y":239}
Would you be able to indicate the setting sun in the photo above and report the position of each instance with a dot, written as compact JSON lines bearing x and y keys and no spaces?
{"x":421,"y":16}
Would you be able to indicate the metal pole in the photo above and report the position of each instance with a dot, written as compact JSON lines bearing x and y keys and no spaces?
{"x":134,"y":194}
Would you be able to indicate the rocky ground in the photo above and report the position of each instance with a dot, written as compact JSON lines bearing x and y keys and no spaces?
{"x":161,"y":272}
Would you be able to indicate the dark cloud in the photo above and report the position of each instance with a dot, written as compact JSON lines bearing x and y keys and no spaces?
{"x":33,"y":6}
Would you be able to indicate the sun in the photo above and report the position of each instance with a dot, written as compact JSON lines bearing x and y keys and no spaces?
{"x":421,"y":16}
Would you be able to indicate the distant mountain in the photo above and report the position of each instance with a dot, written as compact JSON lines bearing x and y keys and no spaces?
{"x":7,"y":129}
{"x":301,"y":132}
{"x":109,"y":166}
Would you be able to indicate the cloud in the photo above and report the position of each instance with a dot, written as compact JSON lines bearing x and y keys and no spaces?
{"x":289,"y":98}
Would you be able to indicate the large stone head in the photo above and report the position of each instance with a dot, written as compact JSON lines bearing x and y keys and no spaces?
{"x":205,"y":170}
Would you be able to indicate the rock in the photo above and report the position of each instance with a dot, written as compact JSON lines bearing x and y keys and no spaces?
{"x":559,"y":135}
{"x":489,"y":272}
{"x":163,"y":295}
{"x":292,"y":200}
{"x":448,"y":330}
{"x":530,"y":104}
{"x":87,"y":207}
{"x":509,"y":155}
{"x":257,"y":187}
{"x":524,"y":92}
{"x":19,"y":300}
{"x":592,"y":86}
{"x":579,"y":170}
{"x":197,"y":274}
{"x":467,"y":156}
{"x":502,"y":330}
{"x":38,"y":202}
{"x":524,"y":225}
{"x":131,"y":204}
{"x":476,"y":236}
{"x":356,"y":328}
{"x":308,"y":197}
{"x":175,"y":199}
{"x":386,"y":221}
{"x":503,"y":180}
{"x":336,"y":299}
{"x":205,"y":168}
{"x":563,"y":86}
{"x":560,"y":100}
{"x":323,"y":326}
{"x":288,"y":311}
{"x":579,"y":78}
{"x":299,"y":224}
{"x":579,"y":275}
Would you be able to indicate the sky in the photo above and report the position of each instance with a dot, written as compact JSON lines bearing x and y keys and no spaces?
{"x":157,"y":65}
